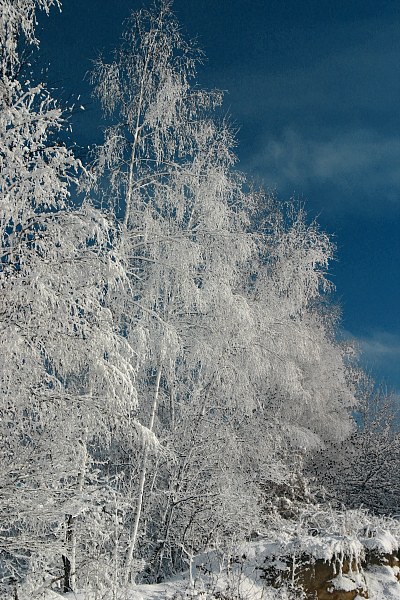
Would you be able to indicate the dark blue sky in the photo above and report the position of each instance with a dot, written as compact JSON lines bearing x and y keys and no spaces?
{"x":314,"y":88}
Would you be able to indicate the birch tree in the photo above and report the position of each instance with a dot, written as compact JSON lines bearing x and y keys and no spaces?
{"x":18,"y":20}
{"x":174,"y":297}
{"x":307,"y":367}
{"x":225,"y":317}
{"x":169,"y":165}
{"x":67,"y":373}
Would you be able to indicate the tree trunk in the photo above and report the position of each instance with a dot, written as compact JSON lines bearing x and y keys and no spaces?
{"x":69,"y":561}
{"x":66,"y":560}
{"x":172,"y":407}
{"x":142,"y":482}
{"x":163,"y":543}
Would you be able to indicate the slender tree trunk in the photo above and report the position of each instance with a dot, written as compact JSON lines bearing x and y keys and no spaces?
{"x":142,"y":482}
{"x":116,"y":551}
{"x":172,"y":407}
{"x":138,"y":127}
{"x":69,"y":561}
{"x":163,"y":543}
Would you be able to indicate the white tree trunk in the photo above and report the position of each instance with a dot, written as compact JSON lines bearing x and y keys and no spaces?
{"x":71,"y":538}
{"x":81,"y":482}
{"x":142,"y":482}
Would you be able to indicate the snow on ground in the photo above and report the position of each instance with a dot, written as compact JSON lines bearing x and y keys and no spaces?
{"x":172,"y":591}
{"x":239,"y":577}
{"x":381,"y":582}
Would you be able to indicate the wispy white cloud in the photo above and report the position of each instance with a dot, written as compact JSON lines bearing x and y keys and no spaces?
{"x":360,"y":169}
{"x":380,"y":347}
{"x":323,"y":123}
{"x":380,"y":353}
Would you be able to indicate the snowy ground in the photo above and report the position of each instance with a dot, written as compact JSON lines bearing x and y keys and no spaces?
{"x":213,"y":575}
{"x":381,"y":582}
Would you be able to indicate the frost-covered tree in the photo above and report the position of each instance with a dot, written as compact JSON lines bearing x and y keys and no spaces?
{"x":225,"y":319}
{"x":67,"y":372}
{"x":18,"y":20}
{"x":307,"y":372}
{"x":170,"y":162}
{"x":193,"y":306}
{"x":361,"y":470}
